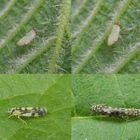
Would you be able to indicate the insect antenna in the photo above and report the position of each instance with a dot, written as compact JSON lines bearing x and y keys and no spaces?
{"x":89,"y":104}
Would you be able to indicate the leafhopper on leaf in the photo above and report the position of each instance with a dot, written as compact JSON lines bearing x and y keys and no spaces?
{"x":27,"y":39}
{"x":116,"y":112}
{"x":114,"y":35}
{"x":26,"y":112}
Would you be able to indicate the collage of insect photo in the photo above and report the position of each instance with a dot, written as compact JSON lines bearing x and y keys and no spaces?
{"x":69,"y":70}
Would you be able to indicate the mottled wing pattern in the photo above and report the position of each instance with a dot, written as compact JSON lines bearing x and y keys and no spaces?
{"x":118,"y":112}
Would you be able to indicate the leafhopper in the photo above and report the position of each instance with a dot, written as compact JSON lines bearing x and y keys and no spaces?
{"x":27,"y":39}
{"x":114,"y":35}
{"x":26,"y":112}
{"x":116,"y":112}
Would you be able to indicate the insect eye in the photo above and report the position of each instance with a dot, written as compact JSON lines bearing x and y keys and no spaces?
{"x":42,"y":112}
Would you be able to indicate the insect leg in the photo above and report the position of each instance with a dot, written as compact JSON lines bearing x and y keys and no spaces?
{"x":22,"y":120}
{"x":10,"y":116}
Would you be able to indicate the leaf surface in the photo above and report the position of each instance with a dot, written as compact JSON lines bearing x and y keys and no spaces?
{"x":49,"y":51}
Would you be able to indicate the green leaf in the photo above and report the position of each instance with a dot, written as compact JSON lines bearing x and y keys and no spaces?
{"x":112,"y":90}
{"x":92,"y":22}
{"x":89,"y":129}
{"x":49,"y":91}
{"x":49,"y":51}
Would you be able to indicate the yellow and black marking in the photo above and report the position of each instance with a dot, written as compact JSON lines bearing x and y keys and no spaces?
{"x":27,"y":112}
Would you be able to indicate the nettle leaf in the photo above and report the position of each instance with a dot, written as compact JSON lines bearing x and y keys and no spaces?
{"x":112,"y":90}
{"x":92,"y":22}
{"x":49,"y":51}
{"x":49,"y":91}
